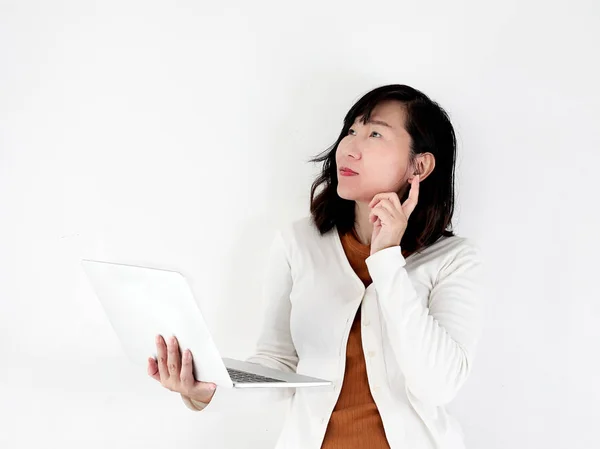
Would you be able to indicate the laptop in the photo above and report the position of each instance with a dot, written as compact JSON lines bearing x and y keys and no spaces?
{"x":142,"y":302}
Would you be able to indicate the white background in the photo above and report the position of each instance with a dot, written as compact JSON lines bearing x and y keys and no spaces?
{"x":176,"y":135}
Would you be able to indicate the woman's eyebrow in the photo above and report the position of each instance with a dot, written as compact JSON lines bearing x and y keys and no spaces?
{"x":379,"y":122}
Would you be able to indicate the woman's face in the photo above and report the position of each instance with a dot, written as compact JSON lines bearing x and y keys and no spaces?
{"x":378,"y":152}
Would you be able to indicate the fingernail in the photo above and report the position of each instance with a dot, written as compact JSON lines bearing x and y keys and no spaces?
{"x":212,"y":387}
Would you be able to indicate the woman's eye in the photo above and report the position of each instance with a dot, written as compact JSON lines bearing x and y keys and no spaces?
{"x":374,"y":132}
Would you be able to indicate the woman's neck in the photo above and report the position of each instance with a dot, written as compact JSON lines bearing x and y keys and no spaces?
{"x":362,"y":226}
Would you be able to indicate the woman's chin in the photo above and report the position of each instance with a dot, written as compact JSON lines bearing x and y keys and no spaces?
{"x":345,"y":194}
{"x":353,"y":195}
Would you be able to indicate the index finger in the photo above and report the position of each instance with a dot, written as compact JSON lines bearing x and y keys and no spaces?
{"x":413,"y":197}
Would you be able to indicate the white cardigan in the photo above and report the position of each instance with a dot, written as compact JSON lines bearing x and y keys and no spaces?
{"x":421,"y":319}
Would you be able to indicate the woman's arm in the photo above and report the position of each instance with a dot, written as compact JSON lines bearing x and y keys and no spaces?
{"x":275,"y":348}
{"x":434,"y":345}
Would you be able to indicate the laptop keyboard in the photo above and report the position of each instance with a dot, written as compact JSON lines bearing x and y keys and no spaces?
{"x":242,"y":376}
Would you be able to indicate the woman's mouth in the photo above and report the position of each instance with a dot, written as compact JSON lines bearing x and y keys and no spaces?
{"x":347,"y":172}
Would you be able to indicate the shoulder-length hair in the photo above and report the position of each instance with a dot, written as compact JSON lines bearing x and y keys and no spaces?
{"x":430,"y":130}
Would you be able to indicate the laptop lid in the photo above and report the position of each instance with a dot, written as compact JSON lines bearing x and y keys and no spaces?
{"x":141,"y":302}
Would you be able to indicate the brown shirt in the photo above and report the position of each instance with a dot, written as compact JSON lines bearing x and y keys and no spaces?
{"x":355,"y":421}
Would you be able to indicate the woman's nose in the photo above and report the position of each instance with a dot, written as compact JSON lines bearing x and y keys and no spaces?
{"x":353,"y":153}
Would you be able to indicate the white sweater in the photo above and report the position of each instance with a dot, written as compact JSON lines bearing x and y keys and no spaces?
{"x":421,"y":319}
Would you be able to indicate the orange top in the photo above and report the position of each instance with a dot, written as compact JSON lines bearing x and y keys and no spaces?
{"x":355,"y":421}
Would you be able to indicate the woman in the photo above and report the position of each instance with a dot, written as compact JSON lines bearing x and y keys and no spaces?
{"x":371,"y":291}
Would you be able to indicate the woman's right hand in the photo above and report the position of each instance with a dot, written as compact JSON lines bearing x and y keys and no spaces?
{"x":175,"y":373}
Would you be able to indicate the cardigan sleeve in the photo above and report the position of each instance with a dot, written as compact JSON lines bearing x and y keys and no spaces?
{"x":434,"y":344}
{"x":274,"y":348}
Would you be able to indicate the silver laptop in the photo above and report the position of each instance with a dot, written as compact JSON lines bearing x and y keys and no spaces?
{"x":142,"y":302}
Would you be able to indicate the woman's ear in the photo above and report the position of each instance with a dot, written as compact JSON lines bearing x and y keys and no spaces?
{"x":423,"y":166}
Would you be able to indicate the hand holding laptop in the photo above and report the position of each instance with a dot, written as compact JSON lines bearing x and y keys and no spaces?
{"x":144,"y":302}
{"x":174,"y":372}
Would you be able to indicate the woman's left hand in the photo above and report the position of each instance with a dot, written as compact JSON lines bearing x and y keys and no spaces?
{"x":390,"y":218}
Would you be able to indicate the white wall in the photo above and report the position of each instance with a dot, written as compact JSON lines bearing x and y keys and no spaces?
{"x":175,"y":134}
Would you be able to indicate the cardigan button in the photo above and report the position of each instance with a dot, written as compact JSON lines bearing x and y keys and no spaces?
{"x":371,"y":354}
